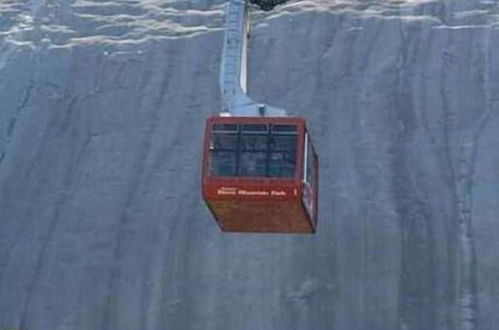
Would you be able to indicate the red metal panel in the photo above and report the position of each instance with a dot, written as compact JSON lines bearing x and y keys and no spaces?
{"x":261,"y":216}
{"x":251,"y":189}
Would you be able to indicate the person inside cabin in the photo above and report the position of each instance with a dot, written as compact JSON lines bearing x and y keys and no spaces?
{"x":252,"y":164}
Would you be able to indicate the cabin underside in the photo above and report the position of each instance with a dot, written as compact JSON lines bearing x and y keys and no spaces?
{"x":261,"y":216}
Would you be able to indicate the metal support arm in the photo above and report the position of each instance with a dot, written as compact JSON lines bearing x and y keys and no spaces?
{"x":233,"y":73}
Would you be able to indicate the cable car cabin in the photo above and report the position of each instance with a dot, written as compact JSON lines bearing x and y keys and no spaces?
{"x":260,"y":174}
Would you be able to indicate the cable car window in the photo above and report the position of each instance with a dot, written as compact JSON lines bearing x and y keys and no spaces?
{"x":287,"y":129}
{"x":282,"y":164}
{"x":253,"y":150}
{"x":223,"y":149}
{"x":223,"y":163}
{"x":310,"y":157}
{"x":253,"y":164}
{"x":226,"y":128}
{"x":282,"y":157}
{"x":224,"y":142}
{"x":255,"y":128}
{"x":283,"y":142}
{"x":253,"y":142}
{"x":308,"y":177}
{"x":253,"y":145}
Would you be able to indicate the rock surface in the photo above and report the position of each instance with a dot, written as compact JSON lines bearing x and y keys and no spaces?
{"x":102,"y":107}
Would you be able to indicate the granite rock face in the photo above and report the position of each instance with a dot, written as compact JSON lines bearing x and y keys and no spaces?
{"x":102,"y":107}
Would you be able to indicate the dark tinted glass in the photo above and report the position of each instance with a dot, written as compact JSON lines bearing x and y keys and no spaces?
{"x":253,"y":142}
{"x":282,"y":164}
{"x":225,"y":127}
{"x":222,"y":141}
{"x":283,"y":142}
{"x":223,"y":163}
{"x":309,"y":160}
{"x":253,"y":164}
{"x":252,"y":150}
{"x":284,"y":129}
{"x":282,"y":158}
{"x":255,"y":128}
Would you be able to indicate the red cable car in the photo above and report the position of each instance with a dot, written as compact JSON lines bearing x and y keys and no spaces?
{"x":260,"y":174}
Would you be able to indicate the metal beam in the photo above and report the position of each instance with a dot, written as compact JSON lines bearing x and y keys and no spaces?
{"x":233,"y":72}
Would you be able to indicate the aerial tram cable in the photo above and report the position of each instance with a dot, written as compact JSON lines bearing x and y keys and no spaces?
{"x":260,"y":169}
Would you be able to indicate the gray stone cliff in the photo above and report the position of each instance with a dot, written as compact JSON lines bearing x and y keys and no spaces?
{"x":102,"y":109}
